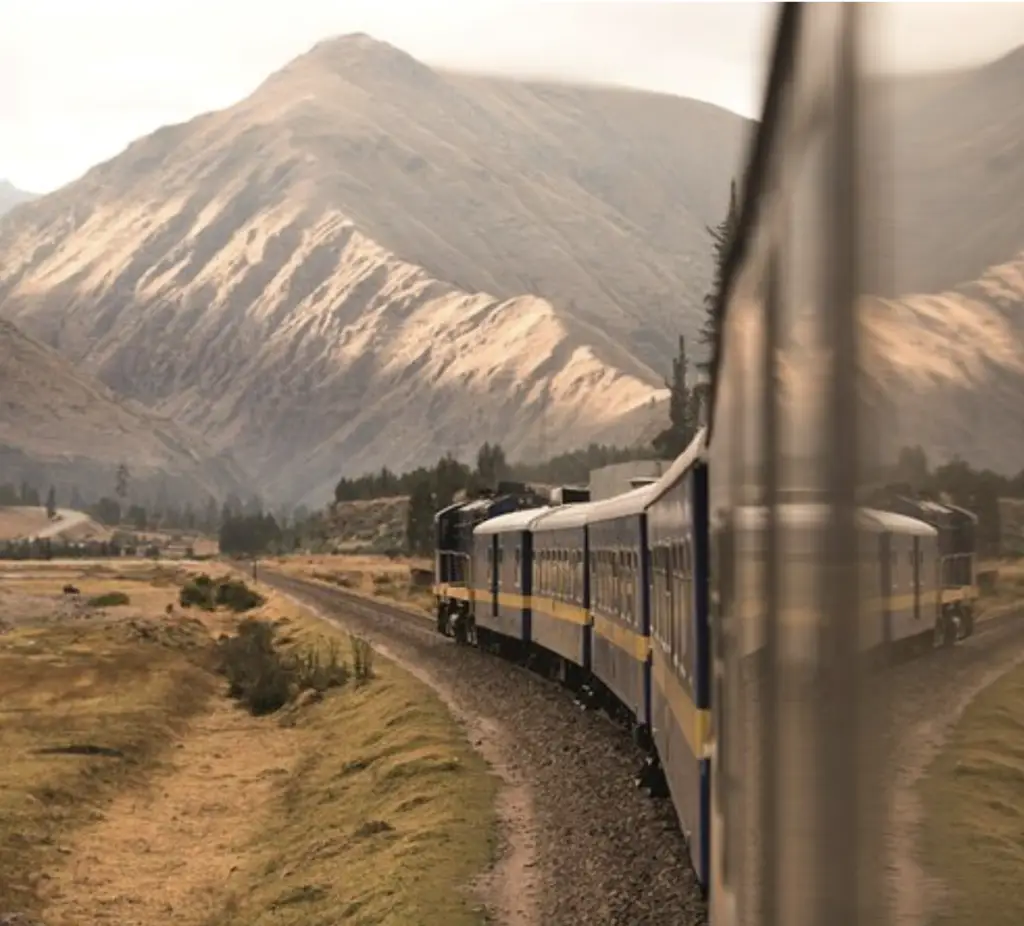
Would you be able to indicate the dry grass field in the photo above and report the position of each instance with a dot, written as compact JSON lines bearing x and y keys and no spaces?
{"x":133,"y":789}
{"x":368,"y":575}
{"x":974,"y":792}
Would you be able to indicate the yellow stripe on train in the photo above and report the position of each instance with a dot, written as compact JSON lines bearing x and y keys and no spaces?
{"x":695,"y":722}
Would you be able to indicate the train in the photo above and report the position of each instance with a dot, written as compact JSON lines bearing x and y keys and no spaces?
{"x":613,"y":598}
{"x":737,"y":609}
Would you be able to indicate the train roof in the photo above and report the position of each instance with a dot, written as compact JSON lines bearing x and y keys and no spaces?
{"x":625,"y":505}
{"x":891,"y":521}
{"x":448,"y":509}
{"x":564,"y":517}
{"x":682,"y":465}
{"x":810,"y":514}
{"x":512,"y":521}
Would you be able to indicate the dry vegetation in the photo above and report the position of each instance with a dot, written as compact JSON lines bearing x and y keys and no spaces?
{"x":1004,"y":591}
{"x":359,"y":801}
{"x":974,"y":792}
{"x":973,"y":836}
{"x":407,"y":581}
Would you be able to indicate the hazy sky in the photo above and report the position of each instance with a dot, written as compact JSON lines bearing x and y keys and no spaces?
{"x":79,"y":79}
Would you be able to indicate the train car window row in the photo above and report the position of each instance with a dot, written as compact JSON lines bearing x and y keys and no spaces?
{"x":614,"y":586}
{"x":559,"y":573}
{"x":672,"y":601}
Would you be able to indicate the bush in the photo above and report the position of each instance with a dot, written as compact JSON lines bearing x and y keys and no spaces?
{"x":109,"y":600}
{"x":265,"y":679}
{"x":203,"y":592}
{"x":235,"y":594}
{"x":197,"y":593}
{"x":362,"y":660}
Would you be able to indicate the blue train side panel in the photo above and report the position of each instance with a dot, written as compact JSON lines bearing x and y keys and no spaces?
{"x":502,"y":551}
{"x":560,"y":588}
{"x":620,"y":636}
{"x":680,"y":645}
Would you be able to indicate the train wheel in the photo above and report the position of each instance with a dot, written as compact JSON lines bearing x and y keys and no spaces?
{"x":967,"y":617}
{"x":948,"y":628}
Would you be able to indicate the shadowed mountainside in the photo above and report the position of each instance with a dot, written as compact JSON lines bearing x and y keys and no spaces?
{"x":60,"y":427}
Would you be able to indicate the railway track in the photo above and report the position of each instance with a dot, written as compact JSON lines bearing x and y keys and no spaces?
{"x":606,"y":854}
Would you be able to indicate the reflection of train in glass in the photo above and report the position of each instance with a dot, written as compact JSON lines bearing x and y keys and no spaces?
{"x":731,"y":621}
{"x":613,"y":596}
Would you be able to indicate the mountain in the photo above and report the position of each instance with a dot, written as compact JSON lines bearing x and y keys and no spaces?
{"x":371,"y":262}
{"x":952,"y":367}
{"x":11,"y":196}
{"x":955,"y":148}
{"x":60,"y":427}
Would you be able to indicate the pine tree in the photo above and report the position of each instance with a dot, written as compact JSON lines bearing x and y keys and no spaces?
{"x":721,"y":241}
{"x":682,"y":410}
{"x":121,"y":482}
{"x":51,"y":503}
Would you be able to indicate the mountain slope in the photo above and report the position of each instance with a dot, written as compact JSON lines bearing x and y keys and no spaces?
{"x":60,"y":427}
{"x":956,"y":148}
{"x":368,"y":262}
{"x":952,"y":367}
{"x":11,"y":196}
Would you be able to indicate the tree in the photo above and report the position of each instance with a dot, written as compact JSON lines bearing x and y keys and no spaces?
{"x":51,"y":503}
{"x":252,"y":534}
{"x":721,"y":241}
{"x":138,"y":518}
{"x":121,"y":481}
{"x":491,"y":465}
{"x":683,"y":410}
{"x":108,"y":511}
{"x":29,"y":495}
{"x":419,"y":526}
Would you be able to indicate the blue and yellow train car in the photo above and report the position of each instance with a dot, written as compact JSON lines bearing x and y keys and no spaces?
{"x":618,"y":564}
{"x":561,"y":586}
{"x":677,"y":532}
{"x":502,"y":578}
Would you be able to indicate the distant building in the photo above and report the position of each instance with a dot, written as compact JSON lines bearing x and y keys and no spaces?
{"x":617,"y":478}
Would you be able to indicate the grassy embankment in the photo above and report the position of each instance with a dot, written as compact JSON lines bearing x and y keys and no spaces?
{"x":379,"y":811}
{"x":973,"y":794}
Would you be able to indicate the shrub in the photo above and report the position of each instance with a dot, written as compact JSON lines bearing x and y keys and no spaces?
{"x":203,"y":592}
{"x":362,"y":660}
{"x":109,"y":600}
{"x":265,"y":679}
{"x":235,"y":594}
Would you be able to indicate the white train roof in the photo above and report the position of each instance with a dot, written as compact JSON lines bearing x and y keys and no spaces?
{"x":512,"y":521}
{"x":682,"y":465}
{"x":564,"y":517}
{"x":811,"y":514}
{"x":625,"y":505}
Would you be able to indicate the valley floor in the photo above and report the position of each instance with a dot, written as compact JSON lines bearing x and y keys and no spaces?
{"x":134,"y":791}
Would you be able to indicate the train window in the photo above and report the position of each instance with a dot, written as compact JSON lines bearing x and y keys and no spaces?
{"x":516,"y":581}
